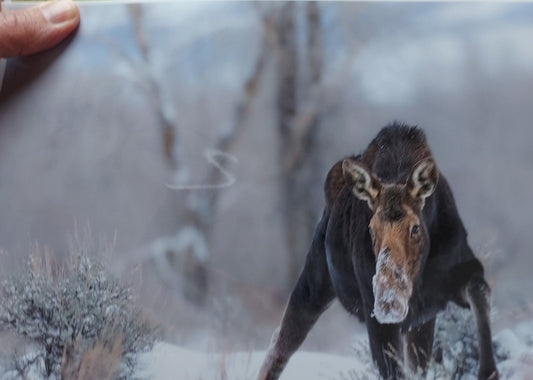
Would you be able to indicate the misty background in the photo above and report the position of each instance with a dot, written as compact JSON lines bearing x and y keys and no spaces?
{"x":187,"y":145}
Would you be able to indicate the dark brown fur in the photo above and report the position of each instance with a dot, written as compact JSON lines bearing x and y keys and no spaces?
{"x":334,"y":183}
{"x":390,"y":226}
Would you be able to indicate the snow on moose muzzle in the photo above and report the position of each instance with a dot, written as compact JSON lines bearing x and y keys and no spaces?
{"x":392,"y":290}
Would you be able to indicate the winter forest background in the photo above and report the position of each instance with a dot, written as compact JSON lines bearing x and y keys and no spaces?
{"x":186,"y":145}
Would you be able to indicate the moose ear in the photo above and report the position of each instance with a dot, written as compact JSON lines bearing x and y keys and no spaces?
{"x":423,"y":179}
{"x":364,"y":185}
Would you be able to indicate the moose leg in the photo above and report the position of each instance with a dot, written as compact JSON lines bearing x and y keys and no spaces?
{"x":311,"y":296}
{"x":384,"y":344}
{"x":477,"y":293}
{"x":418,"y":345}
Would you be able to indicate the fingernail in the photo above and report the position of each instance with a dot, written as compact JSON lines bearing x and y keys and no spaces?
{"x":57,"y":12}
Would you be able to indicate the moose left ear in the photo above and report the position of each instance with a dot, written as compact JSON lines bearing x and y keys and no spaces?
{"x":363,"y":183}
{"x":423,"y":179}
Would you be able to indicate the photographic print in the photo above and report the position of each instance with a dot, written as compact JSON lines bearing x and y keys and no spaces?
{"x":264,"y":190}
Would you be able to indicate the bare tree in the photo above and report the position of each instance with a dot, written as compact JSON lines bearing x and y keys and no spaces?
{"x":186,"y":253}
{"x":299,"y":69}
{"x":167,"y":121}
{"x":298,"y":123}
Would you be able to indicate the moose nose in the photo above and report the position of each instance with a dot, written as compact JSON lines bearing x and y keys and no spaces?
{"x":391,"y":290}
{"x":392,"y":309}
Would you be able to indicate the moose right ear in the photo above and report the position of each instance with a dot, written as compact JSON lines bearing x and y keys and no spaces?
{"x":364,"y":185}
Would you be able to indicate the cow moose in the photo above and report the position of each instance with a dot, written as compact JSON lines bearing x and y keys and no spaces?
{"x":392,"y":248}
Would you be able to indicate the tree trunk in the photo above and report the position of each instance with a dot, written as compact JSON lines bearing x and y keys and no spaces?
{"x":298,"y":124}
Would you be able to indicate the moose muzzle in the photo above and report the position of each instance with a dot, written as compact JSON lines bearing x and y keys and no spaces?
{"x":392,"y":290}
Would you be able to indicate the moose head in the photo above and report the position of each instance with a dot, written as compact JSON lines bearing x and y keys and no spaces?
{"x":400,"y":239}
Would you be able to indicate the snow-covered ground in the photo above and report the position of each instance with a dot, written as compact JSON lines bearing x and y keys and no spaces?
{"x":514,"y":351}
{"x":167,"y":361}
{"x":517,"y":345}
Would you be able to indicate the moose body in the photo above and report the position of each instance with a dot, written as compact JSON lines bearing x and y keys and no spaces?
{"x":392,"y":248}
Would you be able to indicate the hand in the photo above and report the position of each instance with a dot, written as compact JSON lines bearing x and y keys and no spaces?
{"x":31,"y":30}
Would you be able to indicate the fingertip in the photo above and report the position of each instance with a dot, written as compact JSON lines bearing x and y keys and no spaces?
{"x":34,"y":29}
{"x":60,"y":12}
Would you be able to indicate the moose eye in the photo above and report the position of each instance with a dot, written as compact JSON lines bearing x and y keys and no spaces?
{"x":415,"y":230}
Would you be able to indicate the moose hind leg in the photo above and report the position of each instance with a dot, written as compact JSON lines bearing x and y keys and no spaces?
{"x":478,"y":295}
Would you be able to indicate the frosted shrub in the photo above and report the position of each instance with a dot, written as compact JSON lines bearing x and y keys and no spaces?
{"x":70,"y":316}
{"x":456,"y":348}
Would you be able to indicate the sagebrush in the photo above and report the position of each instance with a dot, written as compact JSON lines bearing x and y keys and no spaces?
{"x":69,"y":315}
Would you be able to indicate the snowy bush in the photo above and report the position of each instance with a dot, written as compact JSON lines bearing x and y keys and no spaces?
{"x":72,"y":317}
{"x":455,"y":350}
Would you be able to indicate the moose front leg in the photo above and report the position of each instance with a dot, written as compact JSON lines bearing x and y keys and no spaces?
{"x":418,"y":346}
{"x":385,"y":347}
{"x":477,"y":293}
{"x":311,"y":296}
{"x":297,"y":322}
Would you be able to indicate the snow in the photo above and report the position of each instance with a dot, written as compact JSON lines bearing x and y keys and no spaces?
{"x":514,"y":351}
{"x":169,"y":362}
{"x":516,"y":345}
